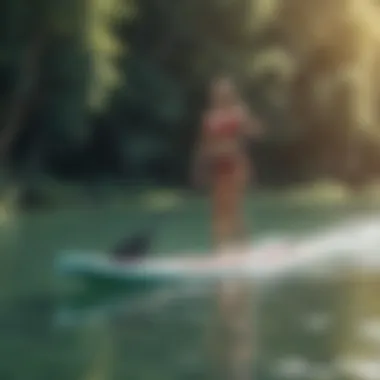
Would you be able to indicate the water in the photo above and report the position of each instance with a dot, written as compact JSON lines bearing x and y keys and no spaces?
{"x":302,"y":327}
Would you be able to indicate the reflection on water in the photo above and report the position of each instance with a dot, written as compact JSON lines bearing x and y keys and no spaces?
{"x":305,"y":329}
{"x":359,"y":339}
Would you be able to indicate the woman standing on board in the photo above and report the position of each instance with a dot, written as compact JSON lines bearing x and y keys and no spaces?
{"x":226,"y":125}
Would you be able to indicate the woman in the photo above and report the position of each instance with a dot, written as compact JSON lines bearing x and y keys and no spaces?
{"x":226,"y":124}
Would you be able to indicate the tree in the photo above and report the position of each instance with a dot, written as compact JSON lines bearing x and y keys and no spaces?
{"x":334,"y":89}
{"x":74,"y":44}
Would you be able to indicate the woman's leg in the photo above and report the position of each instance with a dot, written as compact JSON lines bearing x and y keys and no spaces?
{"x":223,"y":212}
{"x":233,"y":307}
{"x":240,"y":304}
{"x":236,"y":205}
{"x":222,"y":237}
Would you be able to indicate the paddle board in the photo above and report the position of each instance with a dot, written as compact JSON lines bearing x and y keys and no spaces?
{"x":272,"y":257}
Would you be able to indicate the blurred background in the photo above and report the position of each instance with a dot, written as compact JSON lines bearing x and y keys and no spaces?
{"x":100,"y":102}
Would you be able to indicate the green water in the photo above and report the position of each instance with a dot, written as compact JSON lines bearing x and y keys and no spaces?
{"x":164,"y":341}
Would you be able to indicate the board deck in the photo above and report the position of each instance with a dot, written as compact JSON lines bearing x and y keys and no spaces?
{"x":176,"y":266}
{"x":275,"y":256}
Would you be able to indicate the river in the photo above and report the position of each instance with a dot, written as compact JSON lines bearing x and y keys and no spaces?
{"x":304,"y":329}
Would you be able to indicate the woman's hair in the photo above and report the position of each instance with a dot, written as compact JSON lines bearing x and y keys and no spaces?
{"x":220,"y":80}
{"x":222,"y":76}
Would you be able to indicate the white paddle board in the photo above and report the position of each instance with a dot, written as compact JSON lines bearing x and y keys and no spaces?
{"x":347,"y":244}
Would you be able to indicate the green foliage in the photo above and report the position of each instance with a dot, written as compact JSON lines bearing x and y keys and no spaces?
{"x":132,"y":75}
{"x":91,"y":26}
{"x":104,"y":47}
{"x":78,"y":69}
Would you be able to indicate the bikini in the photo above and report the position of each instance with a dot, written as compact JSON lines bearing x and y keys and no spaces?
{"x":226,"y":129}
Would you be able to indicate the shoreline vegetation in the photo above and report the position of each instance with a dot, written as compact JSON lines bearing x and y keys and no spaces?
{"x":51,"y":195}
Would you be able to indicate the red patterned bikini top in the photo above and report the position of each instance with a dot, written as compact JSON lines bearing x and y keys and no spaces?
{"x":223,"y":126}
